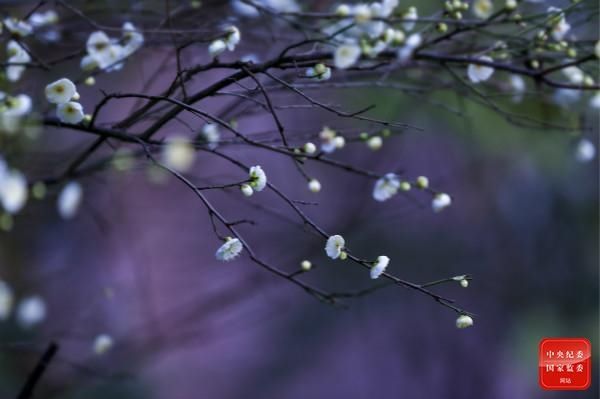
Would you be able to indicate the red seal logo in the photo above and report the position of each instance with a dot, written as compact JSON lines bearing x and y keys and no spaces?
{"x":565,"y":364}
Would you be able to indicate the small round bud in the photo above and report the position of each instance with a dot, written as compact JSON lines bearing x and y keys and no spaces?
{"x":306,"y":265}
{"x":442,"y":27}
{"x":464,"y":283}
{"x":38,"y":190}
{"x":309,"y":148}
{"x":87,"y":118}
{"x":457,"y":15}
{"x":571,"y":53}
{"x":343,"y":10}
{"x":320,"y":69}
{"x":76,"y":97}
{"x":375,"y":143}
{"x":535,"y":64}
{"x":405,"y":186}
{"x":386,"y":132}
{"x":314,"y":185}
{"x":510,"y":5}
{"x":343,"y":255}
{"x":448,"y":6}
{"x":90,"y":81}
{"x":6,"y":222}
{"x":247,"y":190}
{"x":464,"y":321}
{"x":339,"y":142}
{"x":364,"y":136}
{"x":422,"y":182}
{"x":588,"y":81}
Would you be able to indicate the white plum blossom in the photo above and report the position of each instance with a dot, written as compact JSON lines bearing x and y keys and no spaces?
{"x":411,"y":13}
{"x":386,"y":187}
{"x":517,"y":84}
{"x":314,"y":185}
{"x":102,"y":344}
{"x":362,"y":13}
{"x":17,"y":55}
{"x":17,"y":106}
{"x":346,"y":56}
{"x":440,"y":202}
{"x":247,"y":10}
{"x":464,"y":321}
{"x":229,"y":250}
{"x":233,"y":38}
{"x":60,"y":91}
{"x":6,"y":300}
{"x":18,"y":27}
{"x":31,"y":311}
{"x":560,"y":27}
{"x":319,"y":72}
{"x":40,"y":19}
{"x":480,"y":73}
{"x":334,"y":246}
{"x":258,"y":178}
{"x":328,"y":143}
{"x":574,"y":74}
{"x":210,"y":133}
{"x":412,"y":42}
{"x":69,"y":200}
{"x":133,"y":39}
{"x":70,"y":112}
{"x":178,"y":153}
{"x":13,"y":191}
{"x":483,"y":8}
{"x":585,"y":151}
{"x":217,"y":47}
{"x":379,"y":268}
{"x":98,"y":45}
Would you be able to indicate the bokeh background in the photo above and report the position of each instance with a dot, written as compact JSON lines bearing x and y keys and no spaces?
{"x":138,"y":261}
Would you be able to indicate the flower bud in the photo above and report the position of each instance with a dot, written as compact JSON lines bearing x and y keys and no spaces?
{"x":247,"y":190}
{"x":314,"y":185}
{"x":306,"y":265}
{"x":464,"y":321}
{"x":422,"y":182}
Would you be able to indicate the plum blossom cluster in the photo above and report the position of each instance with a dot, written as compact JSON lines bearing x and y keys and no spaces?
{"x":108,"y":53}
{"x":64,"y":94}
{"x":390,"y":184}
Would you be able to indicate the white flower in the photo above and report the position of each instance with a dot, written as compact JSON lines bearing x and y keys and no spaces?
{"x":343,"y":10}
{"x":388,"y":7}
{"x":328,"y":144}
{"x":210,"y":133}
{"x":61,"y":91}
{"x":464,"y":321}
{"x":319,"y":72}
{"x":98,"y":44}
{"x":574,"y":74}
{"x":178,"y":154}
{"x":410,"y":14}
{"x":31,"y":311}
{"x":133,"y":39}
{"x":517,"y":84}
{"x":229,"y":250}
{"x":314,"y":185}
{"x":560,"y":27}
{"x":102,"y":344}
{"x":39,"y":19}
{"x":346,"y":55}
{"x":483,"y":8}
{"x":585,"y":151}
{"x":440,"y":202}
{"x":380,"y":266}
{"x":375,"y":143}
{"x":258,"y":178}
{"x":334,"y":246}
{"x":69,"y":200}
{"x":362,"y":13}
{"x":17,"y":106}
{"x":70,"y":112}
{"x":595,"y":101}
{"x":217,"y":47}
{"x":18,"y":27}
{"x":17,"y":55}
{"x":386,"y":187}
{"x":88,"y":63}
{"x":412,"y":42}
{"x":233,"y":38}
{"x":247,"y":190}
{"x":479,"y":73}
{"x":6,"y":300}
{"x":13,"y":191}
{"x":597,"y":49}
